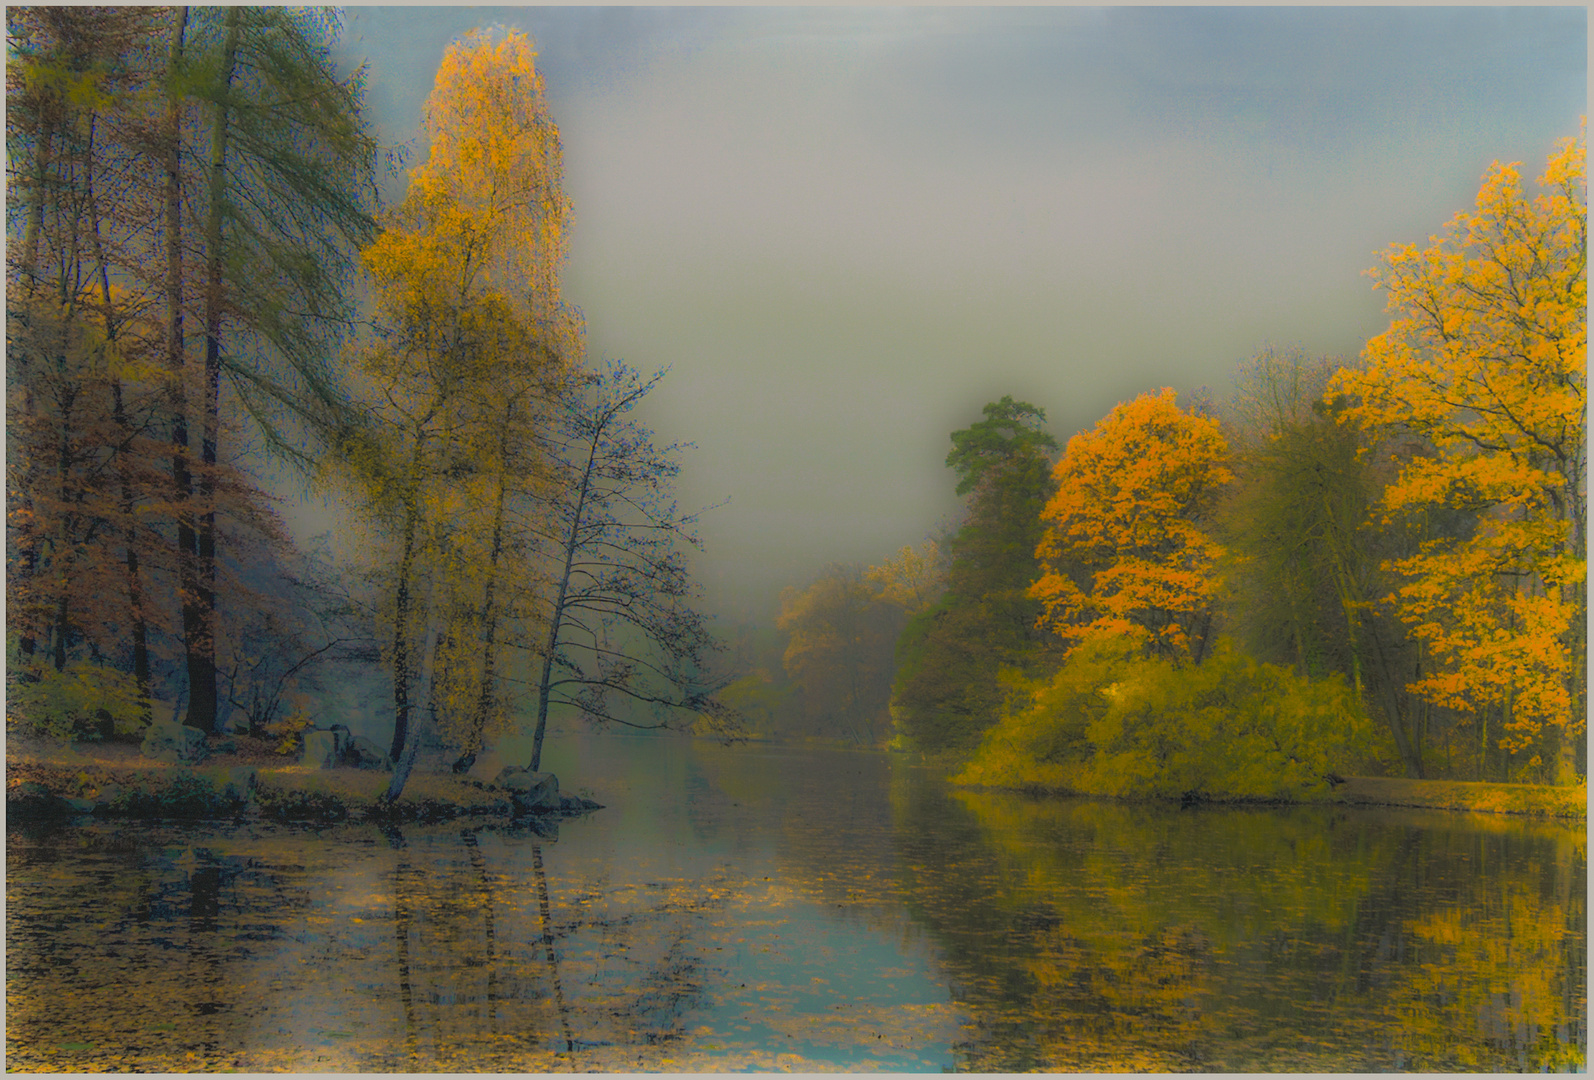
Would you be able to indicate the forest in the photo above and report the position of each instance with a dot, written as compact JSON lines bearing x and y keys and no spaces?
{"x":205,"y":291}
{"x":1371,"y":566}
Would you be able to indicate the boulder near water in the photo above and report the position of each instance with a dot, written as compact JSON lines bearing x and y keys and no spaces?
{"x":320,"y":749}
{"x":531,"y":791}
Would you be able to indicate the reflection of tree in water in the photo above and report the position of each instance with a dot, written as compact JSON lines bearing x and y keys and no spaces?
{"x":135,"y":944}
{"x":495,"y":971}
{"x":1088,"y":936}
{"x":833,"y":829}
{"x":430,"y":948}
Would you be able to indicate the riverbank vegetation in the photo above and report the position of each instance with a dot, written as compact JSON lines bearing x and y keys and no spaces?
{"x":1372,"y":566}
{"x":241,"y":779}
{"x":207,"y":301}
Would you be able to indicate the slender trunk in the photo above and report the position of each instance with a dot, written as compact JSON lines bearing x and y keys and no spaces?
{"x":401,"y":645}
{"x":61,"y":561}
{"x":29,"y":268}
{"x":135,"y":585}
{"x":401,"y":614}
{"x":201,"y":681}
{"x":204,"y":657}
{"x":58,"y":632}
{"x":571,"y":543}
{"x":1389,"y":682}
{"x":484,"y":700}
{"x":406,"y":758}
{"x":44,"y":140}
{"x":1350,"y":600}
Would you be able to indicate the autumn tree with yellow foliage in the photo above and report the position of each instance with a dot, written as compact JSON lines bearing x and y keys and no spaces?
{"x":1130,"y":517}
{"x":1485,"y":363}
{"x":474,"y":345}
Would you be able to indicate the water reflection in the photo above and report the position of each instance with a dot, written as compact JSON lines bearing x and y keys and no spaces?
{"x":1093,"y":936}
{"x":756,"y":908}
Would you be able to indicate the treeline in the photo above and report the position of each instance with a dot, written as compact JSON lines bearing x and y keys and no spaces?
{"x":202,"y":285}
{"x":1377,"y":566}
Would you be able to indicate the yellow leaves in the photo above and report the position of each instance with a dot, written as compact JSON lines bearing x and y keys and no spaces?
{"x":913,"y":579}
{"x":1485,"y":359}
{"x":497,"y":164}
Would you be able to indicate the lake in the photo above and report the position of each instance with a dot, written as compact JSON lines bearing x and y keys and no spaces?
{"x":760,"y":907}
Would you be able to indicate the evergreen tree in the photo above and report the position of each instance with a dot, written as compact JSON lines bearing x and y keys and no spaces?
{"x":951,"y":657}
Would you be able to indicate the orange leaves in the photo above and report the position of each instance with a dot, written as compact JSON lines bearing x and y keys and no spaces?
{"x":1127,"y":519}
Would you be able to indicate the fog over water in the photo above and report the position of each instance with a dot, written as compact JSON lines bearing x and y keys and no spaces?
{"x":846,"y":229}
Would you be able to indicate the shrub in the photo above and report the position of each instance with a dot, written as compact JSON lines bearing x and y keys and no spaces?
{"x":175,"y":793}
{"x":1112,"y":722}
{"x":78,"y":702}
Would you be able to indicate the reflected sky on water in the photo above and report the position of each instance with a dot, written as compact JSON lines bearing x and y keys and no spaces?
{"x":757,"y":907}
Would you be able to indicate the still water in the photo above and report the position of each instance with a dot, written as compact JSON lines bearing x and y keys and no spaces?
{"x":759,"y":908}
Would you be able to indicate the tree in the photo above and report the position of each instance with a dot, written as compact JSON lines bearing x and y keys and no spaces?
{"x":1133,"y":499}
{"x":472,"y":350}
{"x":1112,"y":722}
{"x":1008,"y":432}
{"x":841,"y":631}
{"x":81,"y":393}
{"x":912,"y":579}
{"x":1485,"y":364}
{"x":288,"y":175}
{"x":1302,"y":574}
{"x":953,"y":657}
{"x":621,"y":623}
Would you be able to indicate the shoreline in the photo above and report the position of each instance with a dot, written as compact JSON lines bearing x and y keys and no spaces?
{"x":107,"y":783}
{"x":1454,"y":796}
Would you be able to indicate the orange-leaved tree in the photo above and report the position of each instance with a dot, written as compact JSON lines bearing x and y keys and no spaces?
{"x":1485,"y":361}
{"x":1126,"y":549}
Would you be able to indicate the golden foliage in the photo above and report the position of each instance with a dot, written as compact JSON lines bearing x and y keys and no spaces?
{"x":1485,"y":360}
{"x":1114,"y":723}
{"x":477,"y":346}
{"x":1131,"y":497}
{"x":913,"y":578}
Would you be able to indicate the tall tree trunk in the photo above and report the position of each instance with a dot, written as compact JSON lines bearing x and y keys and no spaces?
{"x":201,"y":678}
{"x":61,"y":563}
{"x":43,"y":145}
{"x":402,"y":598}
{"x":554,"y":621}
{"x":405,"y":761}
{"x":135,"y":585}
{"x":204,"y":657}
{"x":484,"y":700}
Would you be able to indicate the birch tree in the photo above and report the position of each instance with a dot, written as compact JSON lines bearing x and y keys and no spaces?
{"x":625,"y":643}
{"x":472,"y":343}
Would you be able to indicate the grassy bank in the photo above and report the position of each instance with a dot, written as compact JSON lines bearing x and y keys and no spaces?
{"x":111,"y":781}
{"x":1534,"y":800}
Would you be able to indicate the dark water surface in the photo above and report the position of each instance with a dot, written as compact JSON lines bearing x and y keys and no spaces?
{"x":779,"y":908}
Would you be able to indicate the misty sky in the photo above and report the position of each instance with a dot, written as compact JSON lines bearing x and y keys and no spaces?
{"x":846,"y":229}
